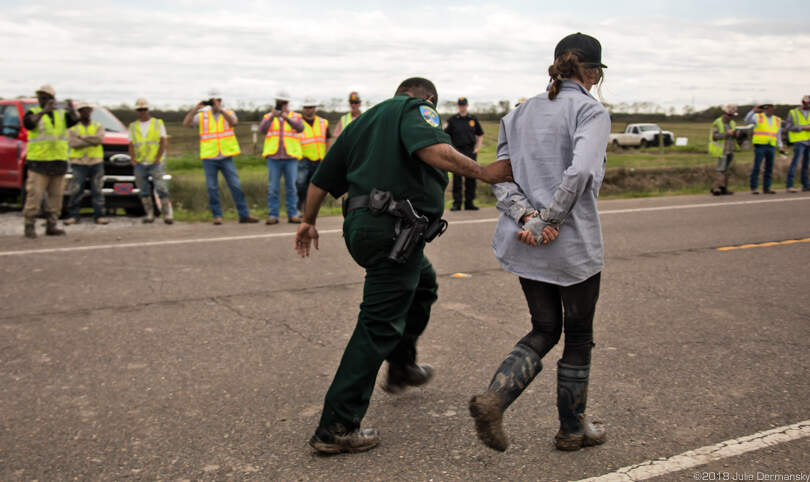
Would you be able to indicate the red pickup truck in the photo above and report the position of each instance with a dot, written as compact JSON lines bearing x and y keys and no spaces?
{"x":119,"y":176}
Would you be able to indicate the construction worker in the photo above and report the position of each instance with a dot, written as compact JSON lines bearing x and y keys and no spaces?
{"x":797,"y":126}
{"x":218,"y":145}
{"x":314,"y":141}
{"x":767,"y":137}
{"x":47,"y":159}
{"x":354,"y":113}
{"x":86,"y":141}
{"x":147,"y":152}
{"x":282,"y":151}
{"x":722,"y":142}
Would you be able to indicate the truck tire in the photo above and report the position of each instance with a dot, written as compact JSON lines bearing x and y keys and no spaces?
{"x":616,"y":144}
{"x":643,"y":144}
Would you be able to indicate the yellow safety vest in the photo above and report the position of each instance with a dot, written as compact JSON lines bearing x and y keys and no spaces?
{"x":765,"y":133}
{"x":292,"y":139}
{"x":799,"y":120}
{"x":313,"y":139}
{"x":146,"y":148}
{"x":49,"y":140}
{"x":716,"y":147}
{"x":345,"y":121}
{"x":93,"y":153}
{"x":216,"y":137}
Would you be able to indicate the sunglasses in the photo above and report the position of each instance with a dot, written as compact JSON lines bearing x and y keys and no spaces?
{"x":354,"y":102}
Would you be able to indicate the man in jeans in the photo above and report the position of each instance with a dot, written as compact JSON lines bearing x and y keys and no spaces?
{"x":86,"y":141}
{"x":767,"y":137}
{"x":147,"y":153}
{"x":218,"y":145}
{"x":797,"y":126}
{"x":282,"y":151}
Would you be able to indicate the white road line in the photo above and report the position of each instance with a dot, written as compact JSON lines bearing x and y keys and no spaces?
{"x":704,"y":455}
{"x":334,"y":231}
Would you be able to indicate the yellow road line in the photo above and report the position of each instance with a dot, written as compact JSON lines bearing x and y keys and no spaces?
{"x":764,"y":245}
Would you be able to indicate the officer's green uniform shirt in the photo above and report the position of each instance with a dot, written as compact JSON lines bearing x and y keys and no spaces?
{"x":377,"y":151}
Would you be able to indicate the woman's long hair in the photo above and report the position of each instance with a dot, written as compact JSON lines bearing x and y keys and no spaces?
{"x":568,"y":66}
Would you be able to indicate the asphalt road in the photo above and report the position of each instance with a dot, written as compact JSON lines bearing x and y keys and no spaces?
{"x":203,"y":353}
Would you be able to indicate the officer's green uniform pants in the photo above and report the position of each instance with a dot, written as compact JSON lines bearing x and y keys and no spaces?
{"x":394,"y":313}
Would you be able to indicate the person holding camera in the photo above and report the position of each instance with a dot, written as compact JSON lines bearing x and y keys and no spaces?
{"x":47,"y":159}
{"x":218,"y":145}
{"x":282,"y":151}
{"x":392,"y":163}
{"x":767,"y":138}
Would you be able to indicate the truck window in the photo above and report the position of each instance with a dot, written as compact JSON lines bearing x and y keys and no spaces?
{"x":635,"y":130}
{"x":11,"y":120}
{"x":106,"y":119}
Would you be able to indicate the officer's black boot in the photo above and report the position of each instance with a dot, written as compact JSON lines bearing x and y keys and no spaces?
{"x":339,"y":439}
{"x":403,"y":372}
{"x":572,"y":396}
{"x":513,"y":376}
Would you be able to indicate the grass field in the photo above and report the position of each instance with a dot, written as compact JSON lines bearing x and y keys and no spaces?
{"x":190,"y":198}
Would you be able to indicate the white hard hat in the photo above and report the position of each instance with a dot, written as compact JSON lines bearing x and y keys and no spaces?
{"x":141,"y":104}
{"x":214,"y":93}
{"x":47,"y":89}
{"x":82,"y":105}
{"x":730,"y":109}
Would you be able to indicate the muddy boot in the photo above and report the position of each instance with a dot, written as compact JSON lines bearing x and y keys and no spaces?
{"x":572,"y":395}
{"x":30,"y":231}
{"x":401,"y":377}
{"x":339,"y":440}
{"x":149,"y":208}
{"x":513,"y":376}
{"x":168,"y":212}
{"x":52,"y":230}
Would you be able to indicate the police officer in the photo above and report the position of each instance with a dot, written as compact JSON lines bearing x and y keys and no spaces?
{"x":397,"y":147}
{"x":467,"y":135}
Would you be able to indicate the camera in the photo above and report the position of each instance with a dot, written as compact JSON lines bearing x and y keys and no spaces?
{"x":208,"y":102}
{"x":279,"y":105}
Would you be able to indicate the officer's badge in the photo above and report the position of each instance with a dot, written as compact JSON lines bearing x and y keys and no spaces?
{"x":472,"y":123}
{"x":430,"y":115}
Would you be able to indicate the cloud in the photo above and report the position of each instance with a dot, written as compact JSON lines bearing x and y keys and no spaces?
{"x":172,"y":53}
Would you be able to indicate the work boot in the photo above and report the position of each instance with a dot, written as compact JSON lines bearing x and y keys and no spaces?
{"x":30,"y":231}
{"x":168,"y":212}
{"x":69,"y":221}
{"x":339,"y":440}
{"x":455,"y":207}
{"x":101,"y":220}
{"x":150,"y":210}
{"x":401,"y":377}
{"x":470,"y":206}
{"x":52,"y":230}
{"x":516,"y":372}
{"x":576,"y":431}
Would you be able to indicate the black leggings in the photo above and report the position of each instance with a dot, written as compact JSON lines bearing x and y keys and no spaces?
{"x":554,"y":308}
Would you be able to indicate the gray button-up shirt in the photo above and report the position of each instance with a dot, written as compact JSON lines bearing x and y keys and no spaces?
{"x":557,"y":149}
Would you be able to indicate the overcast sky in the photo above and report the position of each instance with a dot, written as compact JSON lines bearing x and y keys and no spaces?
{"x":172,"y":52}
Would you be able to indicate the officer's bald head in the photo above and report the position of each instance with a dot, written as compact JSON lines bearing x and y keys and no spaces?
{"x":419,"y":87}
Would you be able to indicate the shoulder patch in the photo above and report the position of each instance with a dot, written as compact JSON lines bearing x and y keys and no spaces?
{"x":430,"y":115}
{"x":472,"y":123}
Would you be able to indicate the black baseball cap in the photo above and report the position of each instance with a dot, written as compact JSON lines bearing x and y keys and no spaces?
{"x":462,"y":101}
{"x":587,"y":49}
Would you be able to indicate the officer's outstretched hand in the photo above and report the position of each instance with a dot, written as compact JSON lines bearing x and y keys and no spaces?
{"x":306,"y":235}
{"x":498,"y":171}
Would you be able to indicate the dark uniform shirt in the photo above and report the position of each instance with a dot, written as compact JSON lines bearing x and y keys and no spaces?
{"x":377,"y":151}
{"x":463,"y":130}
{"x":50,"y":168}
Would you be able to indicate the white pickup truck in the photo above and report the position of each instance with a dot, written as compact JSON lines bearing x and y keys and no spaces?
{"x":641,"y":135}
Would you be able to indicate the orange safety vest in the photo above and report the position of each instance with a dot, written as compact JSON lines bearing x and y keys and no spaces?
{"x":764,"y":132}
{"x":216,"y":138}
{"x":313,"y":139}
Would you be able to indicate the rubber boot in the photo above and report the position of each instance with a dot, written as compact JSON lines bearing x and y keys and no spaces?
{"x":168,"y":212}
{"x":30,"y":231}
{"x":513,"y":376}
{"x":51,"y":229}
{"x":149,"y":208}
{"x":403,"y":371}
{"x":572,"y":396}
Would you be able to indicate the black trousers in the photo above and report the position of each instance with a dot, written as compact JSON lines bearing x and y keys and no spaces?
{"x":469,"y":184}
{"x":555,"y":309}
